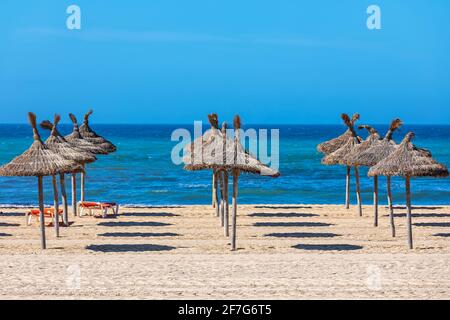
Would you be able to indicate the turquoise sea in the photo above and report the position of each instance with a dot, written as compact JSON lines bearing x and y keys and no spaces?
{"x":141,"y":171}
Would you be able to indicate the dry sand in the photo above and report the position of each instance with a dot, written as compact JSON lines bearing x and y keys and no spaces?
{"x":285,"y":252}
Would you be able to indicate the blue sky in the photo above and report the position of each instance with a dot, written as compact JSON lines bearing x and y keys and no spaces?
{"x":167,"y":61}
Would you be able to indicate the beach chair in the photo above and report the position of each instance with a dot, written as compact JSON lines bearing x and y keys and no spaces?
{"x":104,"y":207}
{"x":48,"y":213}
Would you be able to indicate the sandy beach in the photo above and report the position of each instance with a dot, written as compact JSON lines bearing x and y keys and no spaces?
{"x":285,"y":252}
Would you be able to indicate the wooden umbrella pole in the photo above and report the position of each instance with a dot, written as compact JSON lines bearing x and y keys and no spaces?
{"x":41,"y":212}
{"x":214,"y":186}
{"x":234,"y":213}
{"x":74,"y":194}
{"x":62,"y":184}
{"x":391,"y":208}
{"x":83,"y":182}
{"x":216,"y":195}
{"x":375,"y":200}
{"x":227,"y":208}
{"x":222,"y":198}
{"x":408,"y":211}
{"x":347,"y":189}
{"x":358,"y":192}
{"x":55,"y":205}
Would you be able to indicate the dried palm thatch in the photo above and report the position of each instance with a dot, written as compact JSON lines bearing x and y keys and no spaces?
{"x":409,"y":161}
{"x":340,"y":155}
{"x":372,"y":139}
{"x":378,"y":150}
{"x":58,"y":144}
{"x":39,"y":161}
{"x":76,"y":139}
{"x":332,"y":145}
{"x":91,"y":136}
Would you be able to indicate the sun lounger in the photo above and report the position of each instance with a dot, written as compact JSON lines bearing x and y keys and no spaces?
{"x":104,"y":207}
{"x":48,"y":213}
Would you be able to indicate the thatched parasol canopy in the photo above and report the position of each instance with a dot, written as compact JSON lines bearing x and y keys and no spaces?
{"x":38,"y":160}
{"x":379,"y":150}
{"x":91,"y":136}
{"x":372,"y":139}
{"x":212,"y":156}
{"x":332,"y":145}
{"x":76,"y":139}
{"x":410,"y":161}
{"x":339,"y":156}
{"x":58,"y":144}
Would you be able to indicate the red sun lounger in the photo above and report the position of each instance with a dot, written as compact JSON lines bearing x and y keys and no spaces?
{"x":104,"y":207}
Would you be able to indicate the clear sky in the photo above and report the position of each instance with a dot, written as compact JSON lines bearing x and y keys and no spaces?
{"x":174,"y":61}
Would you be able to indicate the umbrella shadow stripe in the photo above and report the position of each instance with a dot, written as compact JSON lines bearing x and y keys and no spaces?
{"x":5,"y":234}
{"x":282,"y":215}
{"x":149,"y":214}
{"x":138,"y":234}
{"x":113,"y":248}
{"x":432,"y":224}
{"x":328,"y":247}
{"x":302,"y":235}
{"x":134,"y":224}
{"x":292,"y":224}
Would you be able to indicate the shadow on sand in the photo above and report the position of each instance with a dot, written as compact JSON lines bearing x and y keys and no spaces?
{"x":5,"y":234}
{"x":283,"y":207}
{"x":445,"y":235}
{"x":432,"y":224}
{"x":422,"y":215}
{"x":133,"y":224}
{"x":416,"y":208}
{"x":149,"y":214}
{"x":138,"y":234}
{"x":327,"y":247}
{"x":12,"y":214}
{"x":128,"y":247}
{"x":282,"y":215}
{"x":292,"y":224}
{"x":302,"y":235}
{"x":5,"y":224}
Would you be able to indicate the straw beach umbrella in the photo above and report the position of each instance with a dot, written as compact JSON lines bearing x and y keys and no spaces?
{"x":88,"y":134}
{"x":38,"y":161}
{"x":58,"y":144}
{"x":91,"y":136}
{"x":409,"y":161}
{"x":378,"y":151}
{"x":372,"y":139}
{"x":76,"y":139}
{"x":202,"y":142}
{"x":225,"y":154}
{"x":339,"y":157}
{"x":332,"y":145}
